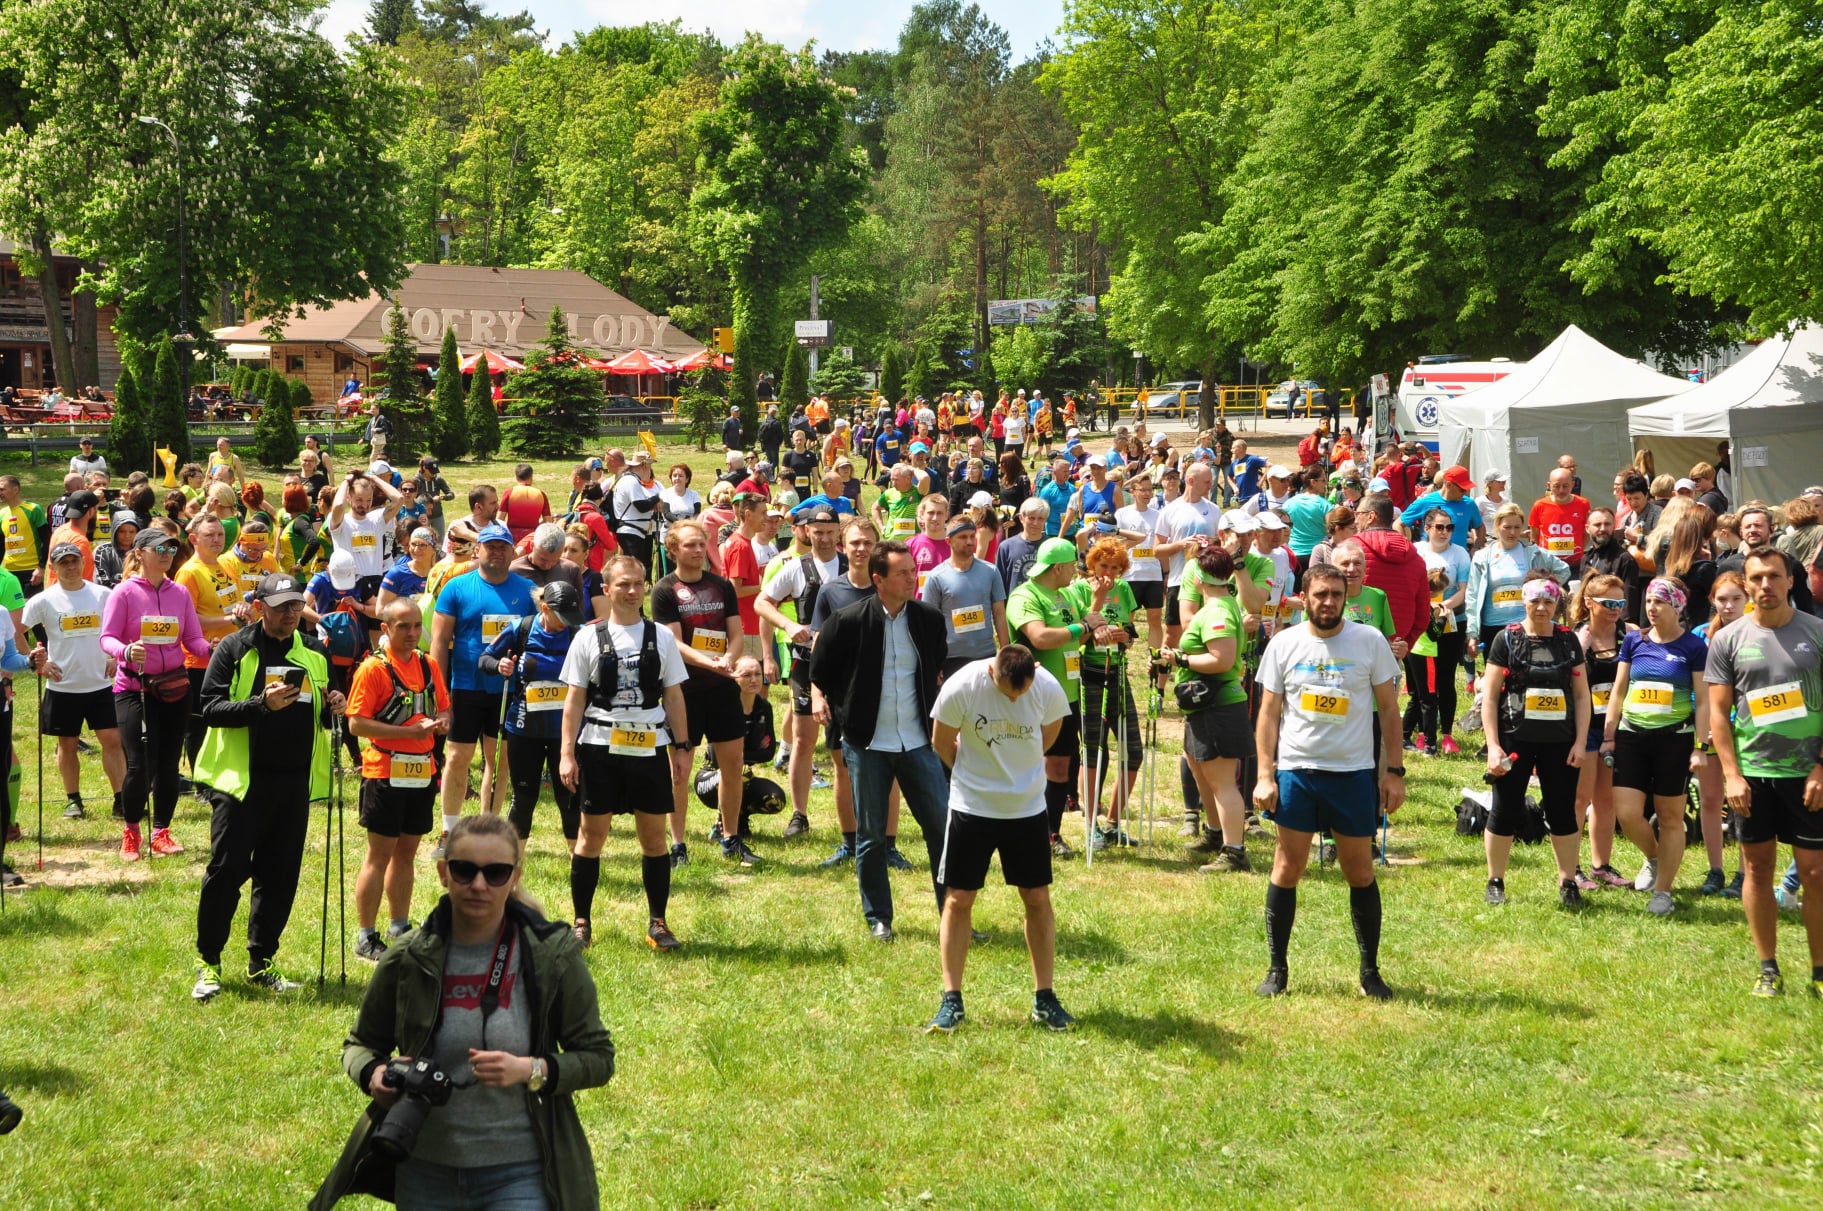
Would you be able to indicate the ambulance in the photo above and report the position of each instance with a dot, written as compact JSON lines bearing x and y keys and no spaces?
{"x":1430,"y":381}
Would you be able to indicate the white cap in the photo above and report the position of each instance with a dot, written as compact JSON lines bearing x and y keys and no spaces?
{"x":1072,"y":431}
{"x":981,"y":500}
{"x":1278,"y":471}
{"x":1684,"y":485}
{"x":1238,"y":521}
{"x":341,"y":570}
{"x":1098,"y":460}
{"x":1159,"y":439}
{"x":1496,"y":476}
{"x":1271,"y":521}
{"x":381,"y":468}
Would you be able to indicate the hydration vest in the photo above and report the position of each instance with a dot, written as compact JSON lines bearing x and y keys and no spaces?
{"x":806,"y":600}
{"x":604,"y":685}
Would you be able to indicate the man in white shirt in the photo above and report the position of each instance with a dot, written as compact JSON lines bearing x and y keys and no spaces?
{"x":79,"y":686}
{"x":635,"y":503}
{"x":994,"y":720}
{"x":357,"y":527}
{"x":1185,"y":526}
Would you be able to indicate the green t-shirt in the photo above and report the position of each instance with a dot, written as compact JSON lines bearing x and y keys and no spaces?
{"x":1371,"y":610}
{"x":1259,"y":569}
{"x":1118,"y":609}
{"x":1778,"y":693}
{"x":1032,"y":602}
{"x":1220,"y":618}
{"x":901,"y":512}
{"x":12,"y":597}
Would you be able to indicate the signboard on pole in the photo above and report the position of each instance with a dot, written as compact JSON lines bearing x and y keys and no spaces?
{"x":812,"y":334}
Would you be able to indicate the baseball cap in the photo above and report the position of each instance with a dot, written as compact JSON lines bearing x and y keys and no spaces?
{"x":817,"y":517}
{"x":1238,"y":521}
{"x":1054,"y":551}
{"x":1378,"y":484}
{"x":65,"y":550}
{"x":1271,"y":521}
{"x":1495,"y":476}
{"x":85,"y":440}
{"x":564,"y":601}
{"x":1278,"y":471}
{"x":150,"y":538}
{"x":918,"y":448}
{"x":981,"y":500}
{"x":278,"y":588}
{"x":341,"y":569}
{"x":1684,"y":485}
{"x":763,"y":469}
{"x":1098,"y":460}
{"x":495,"y":532}
{"x":381,"y":468}
{"x":1459,"y":475}
{"x":81,"y":501}
{"x":1071,"y":432}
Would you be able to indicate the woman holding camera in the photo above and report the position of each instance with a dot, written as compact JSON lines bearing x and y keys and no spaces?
{"x":502,"y":1003}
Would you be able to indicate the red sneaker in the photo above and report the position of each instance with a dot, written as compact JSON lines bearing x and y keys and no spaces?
{"x":129,"y":845}
{"x":1447,"y":746}
{"x":164,"y":844}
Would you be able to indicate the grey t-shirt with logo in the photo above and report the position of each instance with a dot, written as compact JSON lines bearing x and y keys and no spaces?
{"x":1777,"y":675}
{"x":479,"y":1126}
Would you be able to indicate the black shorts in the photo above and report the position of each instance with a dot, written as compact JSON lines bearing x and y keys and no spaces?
{"x":714,"y":710}
{"x":970,"y":842}
{"x":613,"y":785}
{"x":1777,"y":813}
{"x":367,"y":588}
{"x":474,"y":714}
{"x":1653,"y":762}
{"x":397,"y":811}
{"x":1069,"y":736}
{"x":1223,"y":732}
{"x":1173,"y":616}
{"x":68,"y":714}
{"x":1150,"y":594}
{"x":800,"y":684}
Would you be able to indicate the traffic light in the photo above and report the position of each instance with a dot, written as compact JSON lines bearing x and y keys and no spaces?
{"x":723,"y":340}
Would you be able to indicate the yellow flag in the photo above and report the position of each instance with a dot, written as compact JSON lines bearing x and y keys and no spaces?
{"x":649,"y":442}
{"x":170,"y":461}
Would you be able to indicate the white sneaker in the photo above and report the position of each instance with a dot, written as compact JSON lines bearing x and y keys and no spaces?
{"x":1660,"y":904}
{"x":1788,"y":900}
{"x":1647,"y":877}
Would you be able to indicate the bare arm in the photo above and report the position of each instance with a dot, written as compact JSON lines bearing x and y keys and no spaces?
{"x":944,"y":739}
{"x":1392,"y":786}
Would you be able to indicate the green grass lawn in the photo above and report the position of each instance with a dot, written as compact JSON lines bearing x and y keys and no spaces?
{"x":1607,"y":1059}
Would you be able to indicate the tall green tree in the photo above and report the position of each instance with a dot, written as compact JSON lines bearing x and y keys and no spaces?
{"x":170,"y":421}
{"x":777,"y":183}
{"x":452,"y":424}
{"x":839,"y":378}
{"x":275,"y":433}
{"x":400,"y":399}
{"x":388,"y":20}
{"x":483,"y":417}
{"x":892,"y":373}
{"x":559,"y":398}
{"x":130,"y":431}
{"x":794,"y":383}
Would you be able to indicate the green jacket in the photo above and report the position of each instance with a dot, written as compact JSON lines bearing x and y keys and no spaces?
{"x":400,"y":1012}
{"x":230,"y":703}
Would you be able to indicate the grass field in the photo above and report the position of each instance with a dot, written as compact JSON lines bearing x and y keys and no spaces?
{"x":1607,"y":1059}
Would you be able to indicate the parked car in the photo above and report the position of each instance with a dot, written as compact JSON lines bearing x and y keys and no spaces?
{"x":1164,"y":397}
{"x":1279,"y":400}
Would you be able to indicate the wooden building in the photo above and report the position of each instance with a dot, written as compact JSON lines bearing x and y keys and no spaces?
{"x":25,"y":337}
{"x":488,"y":308}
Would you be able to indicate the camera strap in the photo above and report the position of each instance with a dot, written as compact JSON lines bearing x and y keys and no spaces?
{"x":496,"y":973}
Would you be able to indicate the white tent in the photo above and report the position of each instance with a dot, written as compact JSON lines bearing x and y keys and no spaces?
{"x":1758,"y":405}
{"x":1570,"y":399}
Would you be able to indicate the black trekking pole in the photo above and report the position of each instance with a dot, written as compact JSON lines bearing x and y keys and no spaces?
{"x":341,"y":852}
{"x":40,"y":730}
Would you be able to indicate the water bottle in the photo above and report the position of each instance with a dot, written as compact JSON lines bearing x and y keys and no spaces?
{"x":1506,"y":763}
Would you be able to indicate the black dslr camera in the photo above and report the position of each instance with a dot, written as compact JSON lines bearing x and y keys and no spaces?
{"x":422,"y":1088}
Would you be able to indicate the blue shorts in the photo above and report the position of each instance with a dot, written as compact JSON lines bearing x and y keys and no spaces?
{"x":1340,"y":804}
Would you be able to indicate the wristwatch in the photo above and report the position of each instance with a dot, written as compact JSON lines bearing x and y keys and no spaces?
{"x":536,"y":1083}
{"x":1396,"y":769}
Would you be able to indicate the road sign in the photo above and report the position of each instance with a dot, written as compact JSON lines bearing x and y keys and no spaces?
{"x":812,"y":334}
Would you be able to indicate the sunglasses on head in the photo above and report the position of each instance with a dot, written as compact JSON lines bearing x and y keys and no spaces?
{"x":1611,"y":603}
{"x":462,"y":871}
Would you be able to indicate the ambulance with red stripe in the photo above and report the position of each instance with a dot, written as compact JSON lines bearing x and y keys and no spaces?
{"x":1428,"y":382}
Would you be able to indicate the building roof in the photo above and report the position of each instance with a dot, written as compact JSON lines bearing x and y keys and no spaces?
{"x":489,"y":308}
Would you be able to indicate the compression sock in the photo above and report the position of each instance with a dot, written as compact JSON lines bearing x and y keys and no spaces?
{"x":585,"y":874}
{"x":1056,"y":799}
{"x":1364,"y":907}
{"x":14,"y":781}
{"x":848,"y":839}
{"x":1281,"y":911}
{"x":655,"y":873}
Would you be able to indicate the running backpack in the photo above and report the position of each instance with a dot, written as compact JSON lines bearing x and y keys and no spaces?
{"x":343,"y":634}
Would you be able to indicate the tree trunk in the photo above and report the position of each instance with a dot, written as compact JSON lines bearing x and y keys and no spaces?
{"x":980,"y":278}
{"x":1205,"y":400}
{"x":750,"y":333}
{"x":87,"y":366}
{"x":50,"y":290}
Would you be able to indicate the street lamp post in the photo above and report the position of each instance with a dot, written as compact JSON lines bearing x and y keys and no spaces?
{"x":183,"y":338}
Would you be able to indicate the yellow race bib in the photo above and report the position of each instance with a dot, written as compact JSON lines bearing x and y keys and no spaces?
{"x":1328,"y":703}
{"x":1780,"y":703}
{"x":712,"y":642}
{"x":968,"y":619}
{"x":1546,"y":706}
{"x":1072,"y":666}
{"x":80,"y":624}
{"x":158,"y":628}
{"x":1508,"y":596}
{"x":363,"y":542}
{"x":545,"y":696}
{"x":1651,"y":697}
{"x":633,"y":739}
{"x":494,"y":625}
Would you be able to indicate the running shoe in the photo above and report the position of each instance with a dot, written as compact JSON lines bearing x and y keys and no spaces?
{"x":1049,"y":1012}
{"x":164,"y":844}
{"x":735,"y":850}
{"x":439,"y":851}
{"x":1497,"y":891}
{"x":819,"y":781}
{"x":659,"y":936}
{"x":1232,"y":858}
{"x":1584,"y":882}
{"x":716,"y":835}
{"x":369,"y":946}
{"x":10,"y":877}
{"x":1647,"y":878}
{"x":1660,"y":904}
{"x":1770,"y":984}
{"x":1733,"y":890}
{"x":1274,"y":984}
{"x":843,"y":854}
{"x":1208,"y":842}
{"x":1061,"y":848}
{"x":1569,"y":895}
{"x":797,"y":826}
{"x":896,"y":860}
{"x":73,"y":810}
{"x":1607,"y":876}
{"x":1787,"y":900}
{"x":948,"y":1015}
{"x":680,"y":855}
{"x":1411,"y":745}
{"x":1373,"y":987}
{"x":583,"y":933}
{"x":268,"y":977}
{"x":1448,"y":747}
{"x":208,"y":982}
{"x":129,"y":844}
{"x":1113,"y":837}
{"x":1190,"y":827}
{"x":1713,"y":883}
{"x":1422,"y":747}
{"x":14,"y":833}
{"x":397,"y":929}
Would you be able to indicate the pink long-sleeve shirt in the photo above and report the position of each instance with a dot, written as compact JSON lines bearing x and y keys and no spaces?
{"x":135,"y":613}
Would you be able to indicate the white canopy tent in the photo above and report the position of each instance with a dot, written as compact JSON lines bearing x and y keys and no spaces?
{"x":1757,"y":405}
{"x":1570,"y":399}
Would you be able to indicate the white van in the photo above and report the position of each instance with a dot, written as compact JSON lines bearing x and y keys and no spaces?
{"x":1429,"y":381}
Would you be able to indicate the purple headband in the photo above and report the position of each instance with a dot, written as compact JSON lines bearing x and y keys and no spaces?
{"x":1663,"y":590}
{"x":1541,"y":590}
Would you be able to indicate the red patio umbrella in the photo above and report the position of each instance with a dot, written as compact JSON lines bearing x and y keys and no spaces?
{"x":637,"y":361}
{"x":497,"y":363}
{"x":699,"y":360}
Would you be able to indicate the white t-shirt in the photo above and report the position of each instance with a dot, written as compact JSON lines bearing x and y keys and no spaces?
{"x":1179,"y":520}
{"x":627,"y":491}
{"x":1142,"y":565}
{"x":365,"y":539}
{"x":788,"y":582}
{"x":1015,"y":426}
{"x":579,"y":668}
{"x":999,"y":769}
{"x":72,"y":624}
{"x":1328,"y":687}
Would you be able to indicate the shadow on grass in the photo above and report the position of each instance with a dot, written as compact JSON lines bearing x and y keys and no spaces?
{"x":49,"y":1079}
{"x":1477,"y":1001}
{"x":19,"y":920}
{"x":789,"y":954}
{"x":1151,"y":1031}
{"x":1090,"y":947}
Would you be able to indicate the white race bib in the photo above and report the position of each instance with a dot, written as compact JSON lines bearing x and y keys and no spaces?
{"x":633,"y":739}
{"x":1546,"y":706}
{"x":904,"y":527}
{"x":412,"y":772}
{"x":1325,"y":704}
{"x":494,"y":625}
{"x":158,"y":628}
{"x":967,"y":619}
{"x":79,"y":624}
{"x":545,"y":695}
{"x":1780,"y":703}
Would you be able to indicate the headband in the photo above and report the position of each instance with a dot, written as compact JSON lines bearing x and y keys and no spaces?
{"x":1541,"y":590}
{"x":1663,"y":590}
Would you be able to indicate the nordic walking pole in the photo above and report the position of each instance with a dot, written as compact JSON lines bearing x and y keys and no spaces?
{"x":40,"y":730}
{"x":341,"y":853}
{"x":322,"y":957}
{"x":1121,"y":793}
{"x":1093,"y":809}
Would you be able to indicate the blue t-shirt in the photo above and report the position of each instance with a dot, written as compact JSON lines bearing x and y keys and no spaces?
{"x":1661,"y":679}
{"x":401,"y":579}
{"x":1058,"y":496}
{"x":1246,"y":472}
{"x":1094,"y":501}
{"x":1307,"y":512}
{"x":886,"y":448}
{"x":479,"y":607}
{"x":324,"y":596}
{"x":541,"y":661}
{"x":839,"y":505}
{"x":1465,"y":513}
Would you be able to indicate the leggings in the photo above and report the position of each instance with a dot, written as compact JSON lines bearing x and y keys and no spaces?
{"x":1432,"y":708}
{"x":527,"y":758}
{"x":1556,"y":786}
{"x":1099,"y":689}
{"x":193,"y":734}
{"x":154,"y":742}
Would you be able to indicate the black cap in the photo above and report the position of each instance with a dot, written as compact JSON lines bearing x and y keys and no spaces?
{"x":278,"y":588}
{"x":152,"y":536}
{"x":81,"y":501}
{"x":817,"y":516}
{"x":564,"y":601}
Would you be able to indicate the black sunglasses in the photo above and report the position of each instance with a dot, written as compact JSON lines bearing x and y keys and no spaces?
{"x":462,"y":871}
{"x":1442,"y":525}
